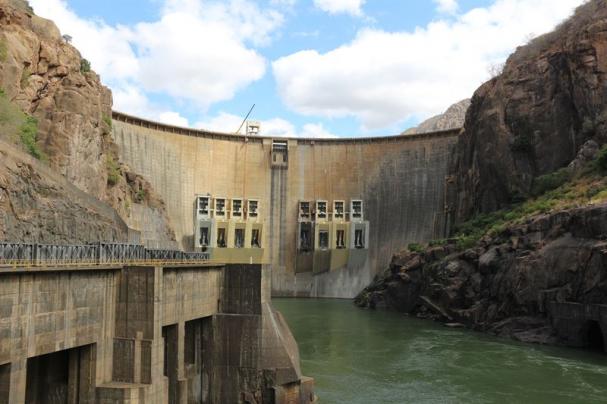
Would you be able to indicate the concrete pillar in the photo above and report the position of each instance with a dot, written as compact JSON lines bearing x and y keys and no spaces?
{"x":18,"y":379}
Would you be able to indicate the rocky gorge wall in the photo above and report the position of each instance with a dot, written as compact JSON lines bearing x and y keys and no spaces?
{"x":400,"y":179}
{"x":531,"y":119}
{"x":55,"y":107}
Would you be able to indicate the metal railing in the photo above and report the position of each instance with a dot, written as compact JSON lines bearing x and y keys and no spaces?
{"x":45,"y":255}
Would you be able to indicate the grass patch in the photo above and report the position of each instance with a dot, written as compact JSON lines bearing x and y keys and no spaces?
{"x":140,"y":196}
{"x":28,"y":133}
{"x":19,"y":128}
{"x":549,"y":182}
{"x":415,"y":247}
{"x":107,"y":120}
{"x":113,"y":171}
{"x":601,"y":160}
{"x":560,"y":192}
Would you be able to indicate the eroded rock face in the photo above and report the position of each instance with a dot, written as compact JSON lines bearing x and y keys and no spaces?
{"x":42,"y":74}
{"x":37,"y":207}
{"x":503,"y":284}
{"x":534,"y":117}
{"x":47,"y":78}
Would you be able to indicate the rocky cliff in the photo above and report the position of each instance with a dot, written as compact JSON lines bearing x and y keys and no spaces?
{"x":528,"y":193}
{"x":37,"y":205}
{"x":452,"y":118}
{"x":67,"y":114}
{"x":504,"y":283}
{"x":532,"y":119}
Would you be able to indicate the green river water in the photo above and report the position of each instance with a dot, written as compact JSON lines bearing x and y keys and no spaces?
{"x":361,"y":356}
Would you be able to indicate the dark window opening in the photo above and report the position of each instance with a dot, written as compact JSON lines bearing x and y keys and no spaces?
{"x":339,"y":210}
{"x":323,"y":240}
{"x":221,"y":238}
{"x":203,"y":206}
{"x":236,"y":208}
{"x":359,"y":238}
{"x":220,"y":205}
{"x":321,"y":208}
{"x":255,"y":239}
{"x":253,"y":208}
{"x":340,"y":242}
{"x":239,"y":238}
{"x":357,"y":209}
{"x":204,"y":236}
{"x":304,"y":240}
{"x":304,"y":210}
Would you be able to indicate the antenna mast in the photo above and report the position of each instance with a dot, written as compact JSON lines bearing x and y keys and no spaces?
{"x":245,"y":119}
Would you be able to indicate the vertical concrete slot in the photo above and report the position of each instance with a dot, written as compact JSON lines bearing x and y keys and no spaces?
{"x":5,"y":382}
{"x":197,"y":359}
{"x":64,"y":377}
{"x":594,"y":337}
{"x":47,"y":379}
{"x":169,"y":334}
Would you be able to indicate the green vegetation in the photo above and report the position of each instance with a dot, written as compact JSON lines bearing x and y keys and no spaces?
{"x":140,"y":196}
{"x":19,"y":128}
{"x":601,"y":160}
{"x":415,"y":247}
{"x":559,"y":190}
{"x":28,"y":133}
{"x":85,"y":66}
{"x":556,"y":191}
{"x":107,"y":120}
{"x":113,"y":170}
{"x":551,"y":181}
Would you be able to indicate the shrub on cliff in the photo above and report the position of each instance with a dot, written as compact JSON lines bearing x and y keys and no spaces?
{"x":601,"y":160}
{"x":113,"y":171}
{"x":85,"y":66}
{"x":28,"y":133}
{"x":549,"y":182}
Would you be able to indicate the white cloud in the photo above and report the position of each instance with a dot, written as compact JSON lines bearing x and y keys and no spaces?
{"x":173,"y":118}
{"x":446,"y":6}
{"x":197,"y":51}
{"x":383,"y":78}
{"x":275,"y":127}
{"x":353,"y":7}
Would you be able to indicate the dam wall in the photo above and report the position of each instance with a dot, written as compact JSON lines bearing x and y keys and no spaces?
{"x":400,"y":180}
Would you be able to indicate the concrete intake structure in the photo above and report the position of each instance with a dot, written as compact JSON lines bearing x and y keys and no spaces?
{"x":401,"y":181}
{"x":112,"y":334}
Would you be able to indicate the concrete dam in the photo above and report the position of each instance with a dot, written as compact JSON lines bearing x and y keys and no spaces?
{"x":325,"y":215}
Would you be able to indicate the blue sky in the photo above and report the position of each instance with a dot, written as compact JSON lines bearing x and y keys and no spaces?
{"x":312,"y":67}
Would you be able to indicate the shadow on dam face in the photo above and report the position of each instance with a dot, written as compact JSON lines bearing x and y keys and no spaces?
{"x":593,"y":336}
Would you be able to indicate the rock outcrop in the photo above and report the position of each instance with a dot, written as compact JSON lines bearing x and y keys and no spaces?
{"x":503,"y":284}
{"x":49,"y":80}
{"x":37,"y":205}
{"x":533,"y":118}
{"x":452,"y":118}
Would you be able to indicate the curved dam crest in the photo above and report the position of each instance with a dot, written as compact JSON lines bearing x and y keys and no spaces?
{"x":401,"y":181}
